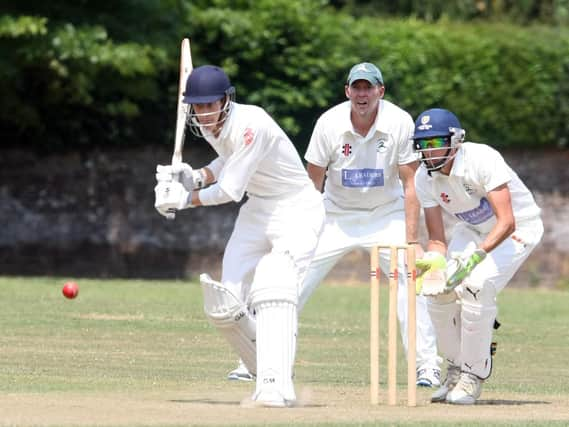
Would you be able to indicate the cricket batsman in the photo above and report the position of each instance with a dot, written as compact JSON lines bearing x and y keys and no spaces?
{"x":254,"y":306}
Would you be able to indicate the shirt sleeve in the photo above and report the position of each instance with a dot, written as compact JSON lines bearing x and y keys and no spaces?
{"x":213,"y":195}
{"x":215,"y":166}
{"x":423,"y":186}
{"x":318,"y":151}
{"x":492,"y":169}
{"x":250,"y":149}
{"x":406,"y":152}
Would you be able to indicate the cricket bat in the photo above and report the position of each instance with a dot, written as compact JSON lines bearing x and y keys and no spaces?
{"x":182,"y":109}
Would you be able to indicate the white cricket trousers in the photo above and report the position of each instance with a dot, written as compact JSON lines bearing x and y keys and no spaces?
{"x":346,"y":232}
{"x":290,"y":225}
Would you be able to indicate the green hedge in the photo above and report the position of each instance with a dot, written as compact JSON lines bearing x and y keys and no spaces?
{"x":508,"y":85}
{"x":70,"y":80}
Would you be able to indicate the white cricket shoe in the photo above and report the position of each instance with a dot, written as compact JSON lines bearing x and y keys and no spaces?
{"x":241,"y":373}
{"x":429,"y":376}
{"x":452,"y":378}
{"x":466,"y":391}
{"x":271,"y":399}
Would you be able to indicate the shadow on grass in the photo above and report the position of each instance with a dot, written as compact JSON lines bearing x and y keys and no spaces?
{"x":495,"y":402}
{"x":206,"y":400}
{"x":233,"y":402}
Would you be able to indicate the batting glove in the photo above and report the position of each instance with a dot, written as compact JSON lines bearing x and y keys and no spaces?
{"x":171,"y":197}
{"x":431,"y":277}
{"x":462,"y":265}
{"x":191,"y":179}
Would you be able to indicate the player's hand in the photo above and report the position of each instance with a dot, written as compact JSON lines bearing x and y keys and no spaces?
{"x":179,"y":172}
{"x":431,"y":260}
{"x":170,"y":197}
{"x":431,"y":274}
{"x":462,"y":265}
{"x":185,"y":174}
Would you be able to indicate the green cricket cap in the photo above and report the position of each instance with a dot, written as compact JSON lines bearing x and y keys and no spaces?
{"x":365,"y":71}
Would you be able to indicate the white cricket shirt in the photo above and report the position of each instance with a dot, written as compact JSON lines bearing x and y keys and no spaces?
{"x":363,"y":171}
{"x":477,"y":169}
{"x":257,"y":157}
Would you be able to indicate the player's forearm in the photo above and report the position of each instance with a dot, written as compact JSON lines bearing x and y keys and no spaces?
{"x":412,"y":209}
{"x":210,"y":196}
{"x":501,"y":231}
{"x":207,"y":176}
{"x":435,"y":245}
{"x":316,"y":174}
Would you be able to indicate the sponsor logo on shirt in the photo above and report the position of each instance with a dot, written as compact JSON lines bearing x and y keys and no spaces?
{"x":248,"y":136}
{"x":445,"y":198}
{"x":347,"y":150}
{"x":362,"y":178}
{"x":477,"y":215}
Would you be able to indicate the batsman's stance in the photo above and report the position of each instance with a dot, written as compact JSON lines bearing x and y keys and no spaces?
{"x":275,"y":235}
{"x":499,"y":225}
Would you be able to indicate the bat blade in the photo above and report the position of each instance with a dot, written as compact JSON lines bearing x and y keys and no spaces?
{"x":182,"y":109}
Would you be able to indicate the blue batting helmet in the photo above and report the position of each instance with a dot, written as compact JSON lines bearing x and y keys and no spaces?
{"x":206,"y":84}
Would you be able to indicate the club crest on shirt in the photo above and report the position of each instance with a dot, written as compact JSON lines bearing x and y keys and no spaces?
{"x":248,"y":136}
{"x":468,"y":188}
{"x":347,"y":150}
{"x":380,"y":145}
{"x":445,"y":198}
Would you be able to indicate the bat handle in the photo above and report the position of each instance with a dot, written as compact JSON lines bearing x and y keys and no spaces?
{"x":176,"y":158}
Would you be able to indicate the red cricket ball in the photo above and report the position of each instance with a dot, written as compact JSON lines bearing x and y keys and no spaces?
{"x":70,"y":290}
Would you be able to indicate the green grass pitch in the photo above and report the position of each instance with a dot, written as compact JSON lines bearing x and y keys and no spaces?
{"x":141,"y":353}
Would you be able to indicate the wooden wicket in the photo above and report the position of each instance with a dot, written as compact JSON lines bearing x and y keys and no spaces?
{"x":409,"y":251}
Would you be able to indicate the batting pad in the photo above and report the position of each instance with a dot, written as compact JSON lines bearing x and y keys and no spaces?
{"x":232,"y":318}
{"x":445,"y":316}
{"x":276,"y":348}
{"x":276,"y":279}
{"x":477,"y":329}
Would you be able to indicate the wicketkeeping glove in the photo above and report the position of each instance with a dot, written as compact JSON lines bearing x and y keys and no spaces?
{"x":431,"y":275}
{"x":462,"y":265}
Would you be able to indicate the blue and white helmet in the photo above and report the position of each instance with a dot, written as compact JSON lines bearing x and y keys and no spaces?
{"x":436,"y":129}
{"x":205,"y":85}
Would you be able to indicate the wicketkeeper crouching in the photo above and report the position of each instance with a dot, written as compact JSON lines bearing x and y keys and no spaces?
{"x":499,"y":226}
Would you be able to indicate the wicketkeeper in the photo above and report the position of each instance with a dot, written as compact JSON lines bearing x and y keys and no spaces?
{"x":275,"y":235}
{"x":498,"y":226}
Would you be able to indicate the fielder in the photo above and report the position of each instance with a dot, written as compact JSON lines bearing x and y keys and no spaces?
{"x":275,"y":235}
{"x":499,"y":225}
{"x":360,"y":154}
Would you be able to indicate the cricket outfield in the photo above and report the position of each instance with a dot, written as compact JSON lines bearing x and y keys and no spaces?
{"x":141,"y":353}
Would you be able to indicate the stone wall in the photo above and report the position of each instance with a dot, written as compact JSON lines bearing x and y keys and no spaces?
{"x":90,"y":214}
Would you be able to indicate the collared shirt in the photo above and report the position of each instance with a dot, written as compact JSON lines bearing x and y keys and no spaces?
{"x":477,"y":170}
{"x":256,"y":156}
{"x":363,"y":171}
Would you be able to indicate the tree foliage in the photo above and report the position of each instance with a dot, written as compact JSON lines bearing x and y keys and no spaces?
{"x":551,"y":12}
{"x":85,"y":73}
{"x":73,"y":74}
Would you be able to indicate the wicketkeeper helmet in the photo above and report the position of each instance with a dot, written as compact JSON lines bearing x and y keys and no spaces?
{"x":436,"y":129}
